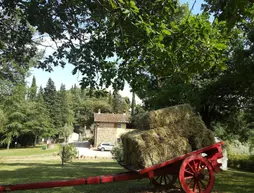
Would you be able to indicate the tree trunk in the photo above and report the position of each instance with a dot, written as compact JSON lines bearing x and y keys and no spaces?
{"x":8,"y":145}
{"x":207,"y":113}
{"x":133,"y":103}
{"x":35,"y":140}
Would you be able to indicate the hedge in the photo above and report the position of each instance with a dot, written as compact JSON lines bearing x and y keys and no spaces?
{"x":241,"y":161}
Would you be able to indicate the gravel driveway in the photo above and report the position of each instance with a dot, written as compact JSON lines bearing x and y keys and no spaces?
{"x":84,"y":151}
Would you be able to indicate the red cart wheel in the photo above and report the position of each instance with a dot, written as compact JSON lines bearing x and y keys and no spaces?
{"x":166,"y":180}
{"x":196,"y":175}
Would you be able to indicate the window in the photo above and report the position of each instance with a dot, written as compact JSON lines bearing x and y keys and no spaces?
{"x":118,"y":125}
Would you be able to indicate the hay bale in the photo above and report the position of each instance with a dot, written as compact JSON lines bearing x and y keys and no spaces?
{"x":163,"y":117}
{"x":165,"y":134}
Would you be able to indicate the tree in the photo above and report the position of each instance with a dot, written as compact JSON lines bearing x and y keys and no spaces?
{"x":33,"y":90}
{"x":14,"y":108}
{"x":133,"y":104}
{"x":126,"y":104}
{"x":230,"y":11}
{"x":66,"y":131}
{"x":67,"y":115}
{"x":167,"y":55}
{"x":151,"y":41}
{"x":52,"y":103}
{"x":117,"y":103}
{"x":17,"y":46}
{"x":37,"y":120}
{"x":110,"y":99}
{"x":2,"y":119}
{"x":234,"y":88}
{"x":85,"y":112}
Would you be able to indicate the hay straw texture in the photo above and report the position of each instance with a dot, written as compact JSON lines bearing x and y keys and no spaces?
{"x":165,"y":134}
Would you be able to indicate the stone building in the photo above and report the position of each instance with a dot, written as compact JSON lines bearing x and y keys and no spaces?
{"x":108,"y":127}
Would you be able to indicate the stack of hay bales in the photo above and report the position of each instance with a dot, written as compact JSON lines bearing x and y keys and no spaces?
{"x":164,"y":134}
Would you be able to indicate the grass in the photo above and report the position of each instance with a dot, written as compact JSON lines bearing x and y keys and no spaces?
{"x":26,"y":151}
{"x":37,"y":169}
{"x":234,"y":181}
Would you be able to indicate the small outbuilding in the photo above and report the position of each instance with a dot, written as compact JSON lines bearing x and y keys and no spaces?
{"x":108,"y":127}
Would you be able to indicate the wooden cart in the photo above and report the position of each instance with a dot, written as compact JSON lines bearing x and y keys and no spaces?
{"x":195,"y":171}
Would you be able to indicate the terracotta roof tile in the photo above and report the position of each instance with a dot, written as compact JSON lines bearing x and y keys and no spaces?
{"x":111,"y":118}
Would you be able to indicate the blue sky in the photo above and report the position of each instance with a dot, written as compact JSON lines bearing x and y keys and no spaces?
{"x":64,"y":75}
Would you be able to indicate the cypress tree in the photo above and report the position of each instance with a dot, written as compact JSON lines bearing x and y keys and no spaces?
{"x":33,"y":90}
{"x":117,"y":104}
{"x":110,"y":98}
{"x":52,"y":103}
{"x":65,"y":106}
{"x":133,"y":104}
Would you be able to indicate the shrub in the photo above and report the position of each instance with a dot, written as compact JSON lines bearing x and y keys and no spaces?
{"x":117,"y":152}
{"x":70,"y":153}
{"x":241,"y":161}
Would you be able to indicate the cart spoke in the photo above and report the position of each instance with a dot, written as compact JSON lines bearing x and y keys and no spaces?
{"x":157,"y":178}
{"x":189,"y":177}
{"x":202,"y":183}
{"x":194,"y":187}
{"x":189,"y":172}
{"x":170,"y":179}
{"x":165,"y":180}
{"x":191,"y":168}
{"x":190,"y":183}
{"x":199,"y":188}
{"x":199,"y":162}
{"x":195,"y":165}
{"x":160,"y":179}
{"x":207,"y":180}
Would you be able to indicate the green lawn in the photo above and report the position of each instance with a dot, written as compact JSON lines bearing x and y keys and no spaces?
{"x":35,"y":169}
{"x":27,"y":151}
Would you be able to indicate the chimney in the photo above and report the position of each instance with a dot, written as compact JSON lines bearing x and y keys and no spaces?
{"x":99,"y":111}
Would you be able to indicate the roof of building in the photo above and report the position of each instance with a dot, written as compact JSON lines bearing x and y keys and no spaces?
{"x":111,"y":118}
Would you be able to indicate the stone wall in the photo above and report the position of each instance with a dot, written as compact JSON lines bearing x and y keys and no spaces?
{"x":108,"y":135}
{"x":111,"y":125}
{"x":105,"y":135}
{"x":106,"y":125}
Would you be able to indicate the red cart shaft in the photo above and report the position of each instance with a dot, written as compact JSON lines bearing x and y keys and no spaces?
{"x":74,"y":182}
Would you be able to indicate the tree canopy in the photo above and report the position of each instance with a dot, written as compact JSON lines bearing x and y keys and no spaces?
{"x":167,"y":54}
{"x":113,"y":41}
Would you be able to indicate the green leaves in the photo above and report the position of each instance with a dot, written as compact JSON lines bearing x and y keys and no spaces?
{"x":112,"y":3}
{"x":133,"y":7}
{"x":166,"y":32}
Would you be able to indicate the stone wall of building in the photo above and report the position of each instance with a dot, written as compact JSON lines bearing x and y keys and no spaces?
{"x":105,"y":135}
{"x":108,"y":135}
{"x":111,"y":125}
{"x":106,"y":125}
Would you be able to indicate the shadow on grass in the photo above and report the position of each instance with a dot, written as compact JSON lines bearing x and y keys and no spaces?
{"x":17,"y":173}
{"x":33,"y":172}
{"x":28,"y":172}
{"x":234,"y":181}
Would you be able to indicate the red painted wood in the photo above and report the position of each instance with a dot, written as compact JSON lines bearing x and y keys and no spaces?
{"x":80,"y":181}
{"x":196,"y":175}
{"x":216,"y":147}
{"x":41,"y":185}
